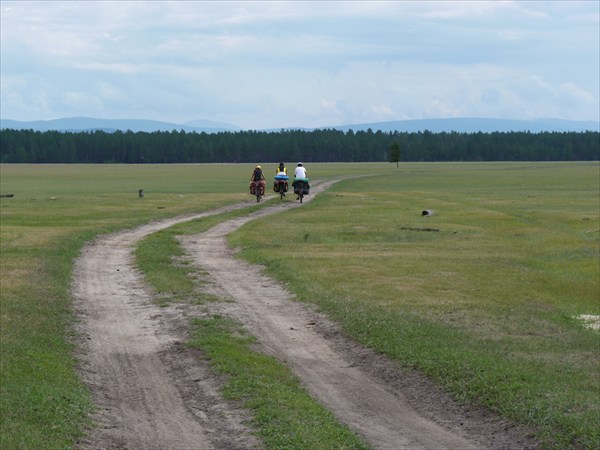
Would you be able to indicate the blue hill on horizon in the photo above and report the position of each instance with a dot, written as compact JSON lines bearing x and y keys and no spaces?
{"x":90,"y":124}
{"x":475,"y":125}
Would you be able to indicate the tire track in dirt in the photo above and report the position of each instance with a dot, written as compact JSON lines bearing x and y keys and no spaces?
{"x":152,"y":392}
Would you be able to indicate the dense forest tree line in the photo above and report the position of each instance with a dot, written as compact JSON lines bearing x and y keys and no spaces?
{"x":28,"y":146}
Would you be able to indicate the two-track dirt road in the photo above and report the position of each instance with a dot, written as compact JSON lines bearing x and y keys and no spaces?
{"x":154,"y":393}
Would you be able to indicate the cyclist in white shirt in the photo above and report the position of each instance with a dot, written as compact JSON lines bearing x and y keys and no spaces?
{"x":300,"y":171}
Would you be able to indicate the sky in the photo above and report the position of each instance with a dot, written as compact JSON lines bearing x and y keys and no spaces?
{"x":271,"y":64}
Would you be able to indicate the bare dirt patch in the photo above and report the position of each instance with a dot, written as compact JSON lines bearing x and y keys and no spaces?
{"x":153,"y":392}
{"x":590,"y":321}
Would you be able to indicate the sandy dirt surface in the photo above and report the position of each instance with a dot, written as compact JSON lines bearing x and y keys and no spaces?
{"x":152,"y":392}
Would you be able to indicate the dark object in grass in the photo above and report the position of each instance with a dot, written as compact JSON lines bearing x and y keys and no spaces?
{"x":141,"y":193}
{"x":7,"y":195}
{"x":419,"y":229}
{"x":427,"y":212}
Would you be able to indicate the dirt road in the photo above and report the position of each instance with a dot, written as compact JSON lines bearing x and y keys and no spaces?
{"x":152,"y":392}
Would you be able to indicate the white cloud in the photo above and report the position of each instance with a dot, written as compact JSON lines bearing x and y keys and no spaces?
{"x":276,"y":64}
{"x":81,"y":101}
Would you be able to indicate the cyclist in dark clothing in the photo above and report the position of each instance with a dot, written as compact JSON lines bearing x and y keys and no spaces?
{"x":258,"y":178}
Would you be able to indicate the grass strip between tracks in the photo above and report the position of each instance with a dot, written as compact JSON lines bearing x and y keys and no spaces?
{"x":284,"y":414}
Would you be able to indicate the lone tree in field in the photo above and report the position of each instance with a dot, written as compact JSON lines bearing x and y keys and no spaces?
{"x":394,"y":153}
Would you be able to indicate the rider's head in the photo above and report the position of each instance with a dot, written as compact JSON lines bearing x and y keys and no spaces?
{"x":258,"y":167}
{"x":299,"y":164}
{"x":281,"y":165}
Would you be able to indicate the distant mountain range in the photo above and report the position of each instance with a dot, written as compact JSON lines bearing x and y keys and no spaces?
{"x":474,"y":125}
{"x":460,"y":125}
{"x":110,"y":125}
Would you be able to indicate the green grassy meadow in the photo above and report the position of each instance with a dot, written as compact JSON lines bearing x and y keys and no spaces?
{"x":54,"y":211}
{"x":482,"y":296}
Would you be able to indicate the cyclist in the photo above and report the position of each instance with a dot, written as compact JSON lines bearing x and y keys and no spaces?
{"x":281,"y":174}
{"x":257,"y":179}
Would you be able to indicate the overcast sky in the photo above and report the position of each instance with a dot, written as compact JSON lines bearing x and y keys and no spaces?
{"x":299,"y":64}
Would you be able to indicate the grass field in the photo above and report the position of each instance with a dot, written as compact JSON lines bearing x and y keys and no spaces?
{"x":483,"y":295}
{"x":54,"y":211}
